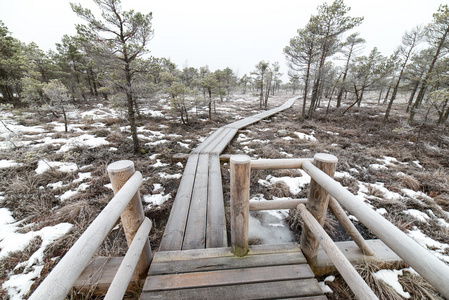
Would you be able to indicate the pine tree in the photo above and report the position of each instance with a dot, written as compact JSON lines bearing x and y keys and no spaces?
{"x":118,"y":39}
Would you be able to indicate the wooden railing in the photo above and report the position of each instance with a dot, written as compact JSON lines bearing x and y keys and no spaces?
{"x":325,"y":192}
{"x":125,"y":204}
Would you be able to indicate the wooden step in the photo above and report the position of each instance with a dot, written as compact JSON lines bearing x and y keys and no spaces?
{"x":267,"y":271}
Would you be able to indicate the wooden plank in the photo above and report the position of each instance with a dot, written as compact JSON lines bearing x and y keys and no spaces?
{"x":208,"y":140}
{"x":223,"y":133}
{"x":195,"y":235}
{"x":176,"y":224}
{"x":98,"y":275}
{"x":227,"y":277}
{"x":224,"y":141}
{"x":383,"y":256}
{"x":225,"y":263}
{"x":266,"y":290}
{"x":216,"y":222}
{"x":219,"y":252}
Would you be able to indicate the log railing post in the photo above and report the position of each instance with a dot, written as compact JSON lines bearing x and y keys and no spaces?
{"x":240,"y":182}
{"x":133,"y":216}
{"x":317,"y":204}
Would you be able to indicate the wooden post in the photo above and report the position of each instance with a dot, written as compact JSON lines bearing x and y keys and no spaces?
{"x":317,"y":204}
{"x":240,"y":181}
{"x":119,"y":172}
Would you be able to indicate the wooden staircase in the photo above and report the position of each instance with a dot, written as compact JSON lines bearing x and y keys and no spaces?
{"x":266,"y":272}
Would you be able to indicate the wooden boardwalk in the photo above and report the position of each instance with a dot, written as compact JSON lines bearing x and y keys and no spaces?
{"x":266,"y":272}
{"x":197,"y":219}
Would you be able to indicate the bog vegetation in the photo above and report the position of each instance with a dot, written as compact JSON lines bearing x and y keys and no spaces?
{"x":365,"y":109}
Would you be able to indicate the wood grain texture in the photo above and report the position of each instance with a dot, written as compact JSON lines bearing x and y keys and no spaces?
{"x":265,"y":290}
{"x":195,"y":235}
{"x":225,"y":263}
{"x":174,"y":230}
{"x":132,"y":216}
{"x":162,"y":256}
{"x":240,"y":181}
{"x":317,"y":204}
{"x":227,"y":277}
{"x":216,"y":222}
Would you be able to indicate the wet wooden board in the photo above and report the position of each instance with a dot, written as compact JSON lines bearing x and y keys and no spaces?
{"x":216,"y":221}
{"x":176,"y":224}
{"x":268,"y":271}
{"x":197,"y":219}
{"x":195,"y":235}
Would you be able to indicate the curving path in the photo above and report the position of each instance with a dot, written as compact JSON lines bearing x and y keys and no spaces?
{"x":197,"y":219}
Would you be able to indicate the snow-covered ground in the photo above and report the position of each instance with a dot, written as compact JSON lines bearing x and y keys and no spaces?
{"x":265,"y":226}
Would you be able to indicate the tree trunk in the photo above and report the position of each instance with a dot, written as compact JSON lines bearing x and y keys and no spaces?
{"x":412,"y":95}
{"x":423,"y":88}
{"x":356,"y":92}
{"x":306,"y":88}
{"x":267,"y":92}
{"x":359,"y":101}
{"x":66,"y":126}
{"x":444,"y":114}
{"x":131,"y":115}
{"x":380,"y":95}
{"x":388,"y":93}
{"x":210,"y":103}
{"x":261,"y":91}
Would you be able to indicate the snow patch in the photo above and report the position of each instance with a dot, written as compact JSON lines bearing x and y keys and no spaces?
{"x":5,"y":163}
{"x":44,"y":165}
{"x":390,"y":277}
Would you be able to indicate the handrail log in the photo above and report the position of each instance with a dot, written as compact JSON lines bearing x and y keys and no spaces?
{"x":347,"y":271}
{"x":426,"y":264}
{"x":58,"y":283}
{"x":119,"y":284}
{"x":275,"y":204}
{"x":341,"y":216}
{"x":283,"y":163}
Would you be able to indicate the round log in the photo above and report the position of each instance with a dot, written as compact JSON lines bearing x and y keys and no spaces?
{"x":317,"y":204}
{"x":240,"y":181}
{"x":131,"y":218}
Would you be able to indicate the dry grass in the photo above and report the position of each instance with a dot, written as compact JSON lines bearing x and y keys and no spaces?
{"x":418,"y":287}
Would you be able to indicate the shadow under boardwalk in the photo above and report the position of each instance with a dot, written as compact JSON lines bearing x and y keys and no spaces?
{"x":266,"y":272}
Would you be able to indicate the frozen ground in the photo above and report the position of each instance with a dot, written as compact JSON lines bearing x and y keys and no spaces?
{"x":44,"y":149}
